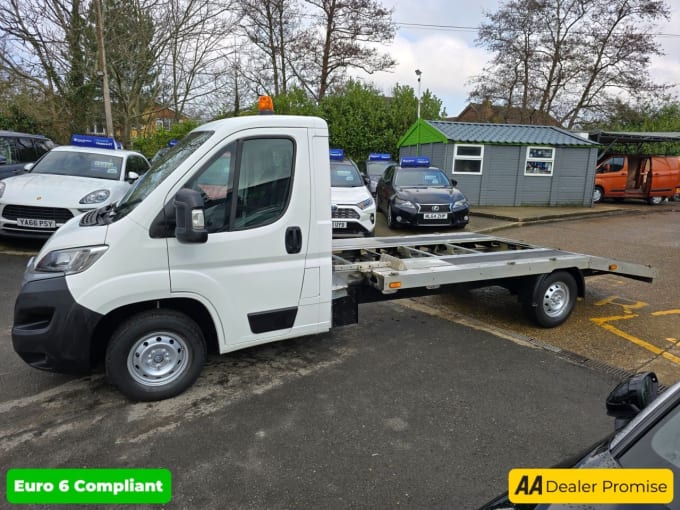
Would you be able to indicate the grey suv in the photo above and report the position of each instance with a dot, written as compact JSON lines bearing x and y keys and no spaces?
{"x":19,"y":149}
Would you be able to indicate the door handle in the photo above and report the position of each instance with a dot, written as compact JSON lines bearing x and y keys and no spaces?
{"x":293,"y":240}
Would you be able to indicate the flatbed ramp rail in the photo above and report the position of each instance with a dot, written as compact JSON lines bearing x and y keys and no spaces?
{"x":547,"y":280}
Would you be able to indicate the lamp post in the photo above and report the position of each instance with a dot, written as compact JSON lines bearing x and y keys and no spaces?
{"x":418,"y":74}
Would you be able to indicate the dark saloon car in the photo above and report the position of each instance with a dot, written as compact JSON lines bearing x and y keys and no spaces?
{"x":647,"y":435}
{"x":19,"y":149}
{"x":376,"y":164}
{"x":419,"y":195}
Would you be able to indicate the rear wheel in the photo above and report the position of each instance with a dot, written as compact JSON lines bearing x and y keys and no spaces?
{"x":553,"y":299}
{"x":155,"y":355}
{"x":598,"y":194}
{"x":654,"y":200}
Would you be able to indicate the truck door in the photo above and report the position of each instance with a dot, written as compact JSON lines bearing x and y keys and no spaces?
{"x":611,"y":176}
{"x":256,"y":191}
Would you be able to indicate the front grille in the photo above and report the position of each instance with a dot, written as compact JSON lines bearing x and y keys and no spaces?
{"x":12,"y":212}
{"x":346,"y":214}
{"x":434,"y":208}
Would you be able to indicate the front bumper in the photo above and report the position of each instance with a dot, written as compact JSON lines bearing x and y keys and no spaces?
{"x":51,"y":331}
{"x":352,"y":221}
{"x":37,"y":222}
{"x":409,"y":217}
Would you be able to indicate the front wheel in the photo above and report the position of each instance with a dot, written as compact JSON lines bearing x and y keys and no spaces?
{"x":553,"y":299}
{"x":654,"y":200}
{"x":155,"y":355}
{"x":598,"y":194}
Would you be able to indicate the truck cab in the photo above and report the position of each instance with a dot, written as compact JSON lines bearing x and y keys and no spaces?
{"x":226,"y":243}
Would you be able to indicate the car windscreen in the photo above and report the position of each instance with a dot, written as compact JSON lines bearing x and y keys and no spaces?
{"x":80,"y":164}
{"x":160,"y":171}
{"x":421,"y":177}
{"x":377,"y":168}
{"x":345,"y":175}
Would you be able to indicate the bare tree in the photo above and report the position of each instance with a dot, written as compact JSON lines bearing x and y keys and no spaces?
{"x":271,"y":26}
{"x":568,"y":58}
{"x":341,"y":38}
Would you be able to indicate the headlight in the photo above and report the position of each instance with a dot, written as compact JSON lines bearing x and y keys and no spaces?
{"x":405,"y":204}
{"x":71,"y":261}
{"x":95,"y":197}
{"x":365,"y":204}
{"x":2,"y":188}
{"x":460,"y":203}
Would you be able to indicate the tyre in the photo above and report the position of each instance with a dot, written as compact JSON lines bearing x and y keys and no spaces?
{"x":654,"y":200}
{"x":155,"y":355}
{"x":598,"y":194}
{"x":390,"y":219}
{"x":553,"y":299}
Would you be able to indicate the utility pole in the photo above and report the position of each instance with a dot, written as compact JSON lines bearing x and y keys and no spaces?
{"x":102,"y":66}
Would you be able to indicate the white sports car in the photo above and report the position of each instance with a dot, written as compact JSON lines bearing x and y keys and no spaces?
{"x":67,"y":181}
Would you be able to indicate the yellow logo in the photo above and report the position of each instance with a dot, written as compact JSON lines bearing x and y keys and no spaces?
{"x":591,"y":486}
{"x":38,"y":198}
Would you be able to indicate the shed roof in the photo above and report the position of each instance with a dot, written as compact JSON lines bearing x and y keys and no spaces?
{"x":485,"y":133}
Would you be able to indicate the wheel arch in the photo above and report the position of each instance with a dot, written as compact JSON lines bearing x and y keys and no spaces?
{"x":192,"y":308}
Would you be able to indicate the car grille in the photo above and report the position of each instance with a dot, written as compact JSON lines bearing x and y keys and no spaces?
{"x":342,"y":213}
{"x":423,"y":208}
{"x":12,"y":212}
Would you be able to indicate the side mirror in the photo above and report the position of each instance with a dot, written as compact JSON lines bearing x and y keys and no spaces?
{"x":454,"y":182}
{"x":367,"y":179}
{"x":28,"y":167}
{"x":189,"y":217}
{"x":132,"y":176}
{"x":632,"y":396}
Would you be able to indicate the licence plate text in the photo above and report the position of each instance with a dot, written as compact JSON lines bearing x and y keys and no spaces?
{"x":339,"y":224}
{"x":435,"y":216}
{"x":33,"y":222}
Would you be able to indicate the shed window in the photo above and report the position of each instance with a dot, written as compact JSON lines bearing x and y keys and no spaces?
{"x":540,"y":161}
{"x":468,"y":159}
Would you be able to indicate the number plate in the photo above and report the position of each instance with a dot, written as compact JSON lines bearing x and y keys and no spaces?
{"x":32,"y":222}
{"x":339,"y":224}
{"x":435,"y":215}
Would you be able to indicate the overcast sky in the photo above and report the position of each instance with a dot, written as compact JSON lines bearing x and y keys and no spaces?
{"x":447,"y":58}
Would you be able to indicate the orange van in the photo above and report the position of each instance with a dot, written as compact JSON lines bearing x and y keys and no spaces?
{"x":650,"y":178}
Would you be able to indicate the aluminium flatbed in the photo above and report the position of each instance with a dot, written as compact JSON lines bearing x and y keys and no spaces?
{"x":547,"y":280}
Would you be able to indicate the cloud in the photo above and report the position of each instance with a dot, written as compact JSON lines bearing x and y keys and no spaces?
{"x":446,"y":62}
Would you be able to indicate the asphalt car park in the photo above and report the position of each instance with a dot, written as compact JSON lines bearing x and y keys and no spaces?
{"x":425,"y":403}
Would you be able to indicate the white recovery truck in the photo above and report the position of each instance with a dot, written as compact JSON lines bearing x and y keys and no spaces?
{"x":226,"y":243}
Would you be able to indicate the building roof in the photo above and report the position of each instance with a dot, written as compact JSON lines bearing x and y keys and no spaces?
{"x":433,"y":131}
{"x":499,"y":114}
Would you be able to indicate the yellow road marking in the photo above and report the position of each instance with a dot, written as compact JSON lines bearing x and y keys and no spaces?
{"x":666,"y":312}
{"x":627,"y":305}
{"x":603,"y":322}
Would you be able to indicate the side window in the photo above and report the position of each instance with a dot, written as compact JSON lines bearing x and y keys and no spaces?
{"x":43,"y":146}
{"x":136,"y":164}
{"x":264,"y":182}
{"x":468,"y":159}
{"x":387,"y":176}
{"x":214,"y":182}
{"x":8,"y":149}
{"x":25,"y":150}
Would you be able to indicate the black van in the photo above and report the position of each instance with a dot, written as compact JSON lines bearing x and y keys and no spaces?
{"x":18,"y":149}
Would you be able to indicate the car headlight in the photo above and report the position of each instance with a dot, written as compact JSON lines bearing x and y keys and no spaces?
{"x":404,"y":204}
{"x":70,"y":261}
{"x":365,"y":204}
{"x":95,"y":197}
{"x":2,"y":188}
{"x":460,"y":203}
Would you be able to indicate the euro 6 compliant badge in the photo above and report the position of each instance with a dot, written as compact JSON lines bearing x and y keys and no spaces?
{"x":591,"y":486}
{"x":87,"y":486}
